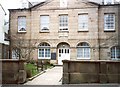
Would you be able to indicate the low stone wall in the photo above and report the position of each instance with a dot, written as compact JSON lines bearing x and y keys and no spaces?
{"x":12,"y":71}
{"x":76,"y":72}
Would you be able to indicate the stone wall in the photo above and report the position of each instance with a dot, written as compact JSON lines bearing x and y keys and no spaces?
{"x":12,"y":71}
{"x":76,"y":72}
{"x":108,"y":39}
{"x":99,"y":40}
{"x":0,"y":51}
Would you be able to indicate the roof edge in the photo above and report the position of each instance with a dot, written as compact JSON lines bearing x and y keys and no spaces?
{"x":110,"y":5}
{"x":41,"y":3}
{"x":95,"y":3}
{"x":19,"y":9}
{"x":3,"y":9}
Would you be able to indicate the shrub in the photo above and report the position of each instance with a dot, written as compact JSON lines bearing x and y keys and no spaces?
{"x":31,"y":70}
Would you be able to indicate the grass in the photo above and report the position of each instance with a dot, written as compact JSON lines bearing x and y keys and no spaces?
{"x":48,"y":66}
{"x":31,"y":69}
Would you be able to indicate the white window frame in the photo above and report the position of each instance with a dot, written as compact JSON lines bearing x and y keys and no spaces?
{"x":83,"y":52}
{"x":44,"y":23}
{"x":44,"y":46}
{"x":21,"y":23}
{"x":63,"y":26}
{"x":115,"y":48}
{"x":83,"y":19}
{"x":110,"y":22}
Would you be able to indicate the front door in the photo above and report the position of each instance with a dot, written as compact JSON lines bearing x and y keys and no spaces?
{"x":63,"y":54}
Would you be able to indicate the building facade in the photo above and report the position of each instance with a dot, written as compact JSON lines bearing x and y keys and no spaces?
{"x":69,"y":29}
{"x":4,"y":43}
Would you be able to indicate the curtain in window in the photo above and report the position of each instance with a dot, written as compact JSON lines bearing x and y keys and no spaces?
{"x":21,"y":23}
{"x":44,"y":20}
{"x":83,"y":22}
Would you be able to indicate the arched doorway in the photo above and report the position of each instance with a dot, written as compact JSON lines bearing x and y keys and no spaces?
{"x":63,"y":52}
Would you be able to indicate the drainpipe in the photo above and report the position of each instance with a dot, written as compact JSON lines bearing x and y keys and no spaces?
{"x":10,"y":51}
{"x":98,"y":33}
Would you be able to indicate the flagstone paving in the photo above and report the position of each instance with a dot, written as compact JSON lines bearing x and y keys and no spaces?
{"x":50,"y":77}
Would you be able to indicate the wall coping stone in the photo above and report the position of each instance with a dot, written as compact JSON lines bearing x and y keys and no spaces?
{"x":110,"y":61}
{"x":11,"y":60}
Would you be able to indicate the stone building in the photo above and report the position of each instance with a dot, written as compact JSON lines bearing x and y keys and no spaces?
{"x":69,"y":29}
{"x":4,"y":40}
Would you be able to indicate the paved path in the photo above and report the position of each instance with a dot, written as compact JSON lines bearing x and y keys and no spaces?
{"x":50,"y":77}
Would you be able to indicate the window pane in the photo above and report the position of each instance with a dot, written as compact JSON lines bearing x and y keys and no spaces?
{"x":41,"y":52}
{"x":44,"y":50}
{"x":83,"y":21}
{"x":47,"y":52}
{"x":62,"y":50}
{"x":59,"y":50}
{"x":21,"y":23}
{"x":44,"y":45}
{"x":80,"y":52}
{"x":109,"y":21}
{"x":83,"y":50}
{"x":86,"y":53}
{"x":118,"y":52}
{"x":113,"y":52}
{"x":67,"y":50}
{"x":84,"y":44}
{"x":44,"y":20}
{"x":63,"y":22}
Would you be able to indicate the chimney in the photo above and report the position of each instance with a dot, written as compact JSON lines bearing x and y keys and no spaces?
{"x":102,"y":2}
{"x":25,"y":4}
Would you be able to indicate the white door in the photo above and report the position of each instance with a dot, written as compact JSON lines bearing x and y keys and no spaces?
{"x":63,"y":54}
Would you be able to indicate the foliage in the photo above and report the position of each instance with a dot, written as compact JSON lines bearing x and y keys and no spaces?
{"x":31,"y":70}
{"x":22,"y":47}
{"x":48,"y":66}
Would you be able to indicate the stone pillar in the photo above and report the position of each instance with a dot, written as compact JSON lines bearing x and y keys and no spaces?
{"x":65,"y":72}
{"x":73,"y":53}
{"x":103,"y":76}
